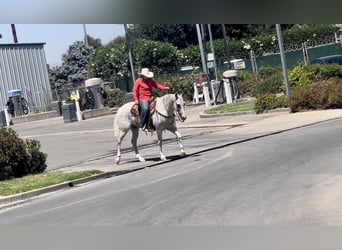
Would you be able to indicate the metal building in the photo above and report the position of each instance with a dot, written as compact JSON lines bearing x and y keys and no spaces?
{"x":23,"y":66}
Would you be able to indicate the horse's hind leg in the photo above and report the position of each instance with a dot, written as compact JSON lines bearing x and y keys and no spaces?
{"x":135,"y":134}
{"x":121,"y":135}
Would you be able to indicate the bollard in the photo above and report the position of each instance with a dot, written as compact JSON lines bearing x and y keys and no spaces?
{"x":7,"y":117}
{"x":195,"y":98}
{"x":206,"y":94}
{"x":78,"y":109}
{"x":228,"y":87}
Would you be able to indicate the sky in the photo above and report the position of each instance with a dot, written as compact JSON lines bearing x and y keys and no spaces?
{"x":58,"y":37}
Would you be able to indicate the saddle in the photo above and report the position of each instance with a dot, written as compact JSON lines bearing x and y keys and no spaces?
{"x":135,"y":111}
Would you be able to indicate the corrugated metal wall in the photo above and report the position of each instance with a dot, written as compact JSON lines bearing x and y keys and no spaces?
{"x":23,"y":66}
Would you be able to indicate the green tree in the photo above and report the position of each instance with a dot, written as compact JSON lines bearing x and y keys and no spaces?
{"x":158,"y":56}
{"x":94,"y":42}
{"x":185,"y":35}
{"x":109,"y":62}
{"x":180,"y":35}
{"x":118,"y":40}
{"x":75,"y":62}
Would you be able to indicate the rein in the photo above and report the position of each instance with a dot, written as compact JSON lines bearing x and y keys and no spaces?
{"x":165,"y":116}
{"x":170,"y":117}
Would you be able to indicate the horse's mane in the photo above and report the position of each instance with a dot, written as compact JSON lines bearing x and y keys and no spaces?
{"x":165,"y":105}
{"x":168,"y":98}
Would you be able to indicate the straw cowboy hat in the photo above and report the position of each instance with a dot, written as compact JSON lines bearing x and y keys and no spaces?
{"x":145,"y":72}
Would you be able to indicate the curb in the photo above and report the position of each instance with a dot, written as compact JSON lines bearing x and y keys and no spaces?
{"x":278,"y":110}
{"x":16,"y":199}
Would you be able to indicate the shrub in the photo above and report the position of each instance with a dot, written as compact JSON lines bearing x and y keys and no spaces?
{"x":270,"y":85}
{"x":302,"y":75}
{"x":270,"y":101}
{"x":266,"y":72}
{"x":183,"y":85}
{"x":319,"y":95}
{"x":19,"y":157}
{"x":247,"y":81}
{"x":35,"y":161}
{"x":115,"y":98}
{"x":269,"y":80}
{"x":329,"y":70}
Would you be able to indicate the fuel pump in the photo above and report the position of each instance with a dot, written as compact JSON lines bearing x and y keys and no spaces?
{"x":230,"y":85}
{"x":15,"y":105}
{"x":94,"y":93}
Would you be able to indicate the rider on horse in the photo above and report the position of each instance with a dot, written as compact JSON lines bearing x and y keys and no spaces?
{"x":142,"y":94}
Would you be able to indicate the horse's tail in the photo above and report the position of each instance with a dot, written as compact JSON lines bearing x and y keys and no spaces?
{"x":116,"y":126}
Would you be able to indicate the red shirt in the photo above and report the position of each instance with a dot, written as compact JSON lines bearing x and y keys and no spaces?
{"x":142,"y":89}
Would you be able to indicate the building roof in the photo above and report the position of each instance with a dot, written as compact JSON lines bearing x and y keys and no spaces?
{"x":19,"y":44}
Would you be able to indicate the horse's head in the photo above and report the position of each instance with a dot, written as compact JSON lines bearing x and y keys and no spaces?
{"x":180,"y":108}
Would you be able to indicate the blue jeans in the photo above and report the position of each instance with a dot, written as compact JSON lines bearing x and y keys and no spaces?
{"x":144,"y":113}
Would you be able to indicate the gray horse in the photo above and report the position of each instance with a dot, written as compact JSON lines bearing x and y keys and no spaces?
{"x":168,"y":108}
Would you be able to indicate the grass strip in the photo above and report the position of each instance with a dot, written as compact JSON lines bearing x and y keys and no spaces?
{"x":37,"y":181}
{"x":232,"y":107}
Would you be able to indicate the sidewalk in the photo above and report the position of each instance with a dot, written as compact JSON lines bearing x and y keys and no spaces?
{"x":244,"y":126}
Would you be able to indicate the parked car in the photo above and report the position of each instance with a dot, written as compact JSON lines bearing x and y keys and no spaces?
{"x":328,"y":60}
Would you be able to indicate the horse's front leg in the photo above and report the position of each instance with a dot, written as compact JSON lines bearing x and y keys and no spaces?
{"x":134,"y":141}
{"x":160,"y":143}
{"x":179,"y":138}
{"x":119,"y":139}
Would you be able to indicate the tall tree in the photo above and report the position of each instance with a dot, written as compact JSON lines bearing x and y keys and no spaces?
{"x":94,"y":42}
{"x":73,"y":70}
{"x":180,"y":35}
{"x":75,"y":62}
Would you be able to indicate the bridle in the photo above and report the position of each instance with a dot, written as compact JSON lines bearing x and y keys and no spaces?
{"x":176,"y":113}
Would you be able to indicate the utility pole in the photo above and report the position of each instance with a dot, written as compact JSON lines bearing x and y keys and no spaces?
{"x":283,"y":58}
{"x":130,"y":57}
{"x":204,"y":43}
{"x":14,"y":33}
{"x":204,"y":65}
{"x":199,"y":37}
{"x":226,"y":45}
{"x":85,"y":35}
{"x":212,"y":50}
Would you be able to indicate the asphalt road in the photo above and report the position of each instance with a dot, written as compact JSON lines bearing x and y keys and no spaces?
{"x":289,"y":178}
{"x":68,"y":144}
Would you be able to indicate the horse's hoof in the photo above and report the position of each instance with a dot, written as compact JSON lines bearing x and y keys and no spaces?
{"x":117,"y":161}
{"x":140,"y":158}
{"x":163,"y":158}
{"x":182,"y":154}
